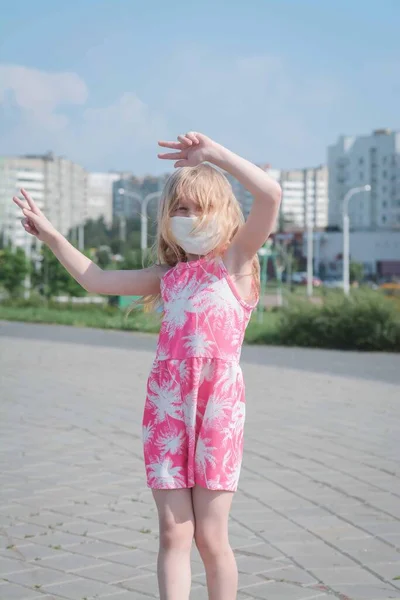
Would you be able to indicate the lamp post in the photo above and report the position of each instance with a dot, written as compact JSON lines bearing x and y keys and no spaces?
{"x":346,"y":234}
{"x":264,"y":253}
{"x":144,"y":219}
{"x":310,"y":257}
{"x":143,"y":212}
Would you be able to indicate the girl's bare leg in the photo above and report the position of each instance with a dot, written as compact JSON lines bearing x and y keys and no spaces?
{"x":211,"y":511}
{"x":176,"y":524}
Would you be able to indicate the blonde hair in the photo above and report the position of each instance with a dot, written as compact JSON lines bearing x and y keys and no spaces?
{"x":212,"y":192}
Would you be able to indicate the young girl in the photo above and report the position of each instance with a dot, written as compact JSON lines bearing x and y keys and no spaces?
{"x":207,"y":279}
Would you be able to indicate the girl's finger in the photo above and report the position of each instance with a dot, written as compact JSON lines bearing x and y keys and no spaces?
{"x":32,"y":217}
{"x":185,"y":140}
{"x":172,"y":145}
{"x":28,"y":226}
{"x":192,"y":136}
{"x":35,"y":209}
{"x":171,"y":155}
{"x":181,"y":163}
{"x":19,"y":202}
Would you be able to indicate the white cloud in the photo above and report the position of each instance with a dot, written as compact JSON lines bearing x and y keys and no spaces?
{"x":258,"y":105}
{"x":43,"y":102}
{"x":39,"y":93}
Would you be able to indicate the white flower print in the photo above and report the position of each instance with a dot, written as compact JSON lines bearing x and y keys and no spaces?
{"x":147,"y":432}
{"x":162,"y":352}
{"x":207,"y":371}
{"x":229,"y":377}
{"x":165,"y":400}
{"x":236,"y":423}
{"x":184,"y":370}
{"x":171,"y":441}
{"x":214,"y":484}
{"x":217,"y":301}
{"x":198,"y":344}
{"x":162,"y":473}
{"x":226,"y":459}
{"x":216,"y":410}
{"x":205,"y":453}
{"x":238,"y":416}
{"x":234,"y":474}
{"x":179,"y":303}
{"x":237,"y":337}
{"x":189,"y":410}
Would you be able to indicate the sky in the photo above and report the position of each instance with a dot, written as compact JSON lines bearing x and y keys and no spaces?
{"x":100,"y":81}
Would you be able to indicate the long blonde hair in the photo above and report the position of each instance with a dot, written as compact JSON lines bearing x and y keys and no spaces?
{"x":212,"y":192}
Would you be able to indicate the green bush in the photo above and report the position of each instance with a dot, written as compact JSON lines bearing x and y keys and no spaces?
{"x":362,"y":321}
{"x":266,"y":332}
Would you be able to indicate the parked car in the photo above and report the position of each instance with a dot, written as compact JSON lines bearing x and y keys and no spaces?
{"x":301,"y":279}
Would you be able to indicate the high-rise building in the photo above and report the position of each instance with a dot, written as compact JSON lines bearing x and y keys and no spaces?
{"x":58,"y":186}
{"x":7,"y":207}
{"x":100,"y":196}
{"x":359,"y":160}
{"x":304,"y":197}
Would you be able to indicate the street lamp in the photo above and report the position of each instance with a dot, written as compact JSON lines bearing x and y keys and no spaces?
{"x":143,"y":212}
{"x":144,"y":219}
{"x":346,"y":234}
{"x":310,"y":257}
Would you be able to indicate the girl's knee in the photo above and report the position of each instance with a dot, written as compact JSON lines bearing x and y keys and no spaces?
{"x":211,"y":542}
{"x":176,"y":536}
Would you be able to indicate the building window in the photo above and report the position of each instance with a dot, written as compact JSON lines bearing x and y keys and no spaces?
{"x":384,"y":159}
{"x":361,"y":175}
{"x":361,"y":160}
{"x":383,"y":219}
{"x":384,"y":204}
{"x":384,"y":174}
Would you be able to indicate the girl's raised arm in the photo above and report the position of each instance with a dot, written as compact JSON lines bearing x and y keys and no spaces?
{"x":194,"y":148}
{"x":143,"y":282}
{"x":264,"y":211}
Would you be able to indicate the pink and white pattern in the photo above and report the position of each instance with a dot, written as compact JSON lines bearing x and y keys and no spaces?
{"x":195,"y":407}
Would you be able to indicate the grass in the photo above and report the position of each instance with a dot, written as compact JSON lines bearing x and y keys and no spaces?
{"x":81,"y":317}
{"x":257,"y":332}
{"x":364,"y":321}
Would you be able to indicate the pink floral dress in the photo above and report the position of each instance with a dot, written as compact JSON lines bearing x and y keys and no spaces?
{"x":195,"y":407}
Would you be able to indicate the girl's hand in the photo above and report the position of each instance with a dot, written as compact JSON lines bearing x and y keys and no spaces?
{"x":192,"y":149}
{"x":34,"y":221}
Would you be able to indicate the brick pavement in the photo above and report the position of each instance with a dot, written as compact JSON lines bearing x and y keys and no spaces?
{"x":317,"y":514}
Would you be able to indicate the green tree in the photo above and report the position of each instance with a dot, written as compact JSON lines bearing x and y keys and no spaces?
{"x":132,"y":260}
{"x":52,"y":279}
{"x":103,"y":256}
{"x":13,"y":269}
{"x":356,"y":272}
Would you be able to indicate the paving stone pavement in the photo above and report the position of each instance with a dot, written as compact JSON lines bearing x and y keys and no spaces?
{"x":317,"y":515}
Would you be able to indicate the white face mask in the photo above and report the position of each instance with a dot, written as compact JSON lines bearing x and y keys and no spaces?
{"x":199,"y":243}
